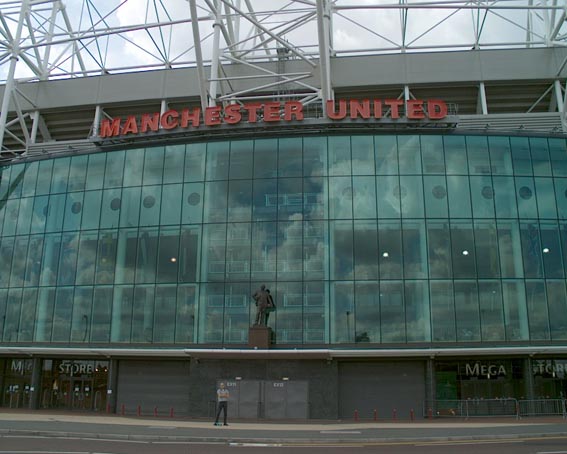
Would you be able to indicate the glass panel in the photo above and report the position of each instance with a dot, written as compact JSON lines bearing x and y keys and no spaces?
{"x":390,"y":243}
{"x":171,"y":198}
{"x":82,"y":307}
{"x":164,"y":318}
{"x":73,"y":211}
{"x":290,"y":198}
{"x":102,"y":305}
{"x":27,"y":315}
{"x":509,"y":244}
{"x":133,"y":168}
{"x":189,"y":253}
{"x":341,"y":249}
{"x":362,"y":155}
{"x":435,"y":191}
{"x":153,"y":166}
{"x":91,"y":210}
{"x":515,"y":310}
{"x":315,"y":198}
{"x":388,"y":196}
{"x":30,"y":180}
{"x":241,"y":159}
{"x":114,"y":169}
{"x":477,"y":150}
{"x":386,"y":155}
{"x":62,"y":315}
{"x":59,"y":176}
{"x":16,"y":181}
{"x":418,"y":319}
{"x":527,"y":207}
{"x":340,"y":198}
{"x":143,"y":313}
{"x":78,"y":173}
{"x":289,"y":303}
{"x":68,"y":259}
{"x":185,"y":314}
{"x":545,"y":198}
{"x":315,"y":250}
{"x":110,"y":212}
{"x":6,"y":254}
{"x":290,"y":250}
{"x":3,"y":296}
{"x":504,"y":197}
{"x":51,"y":250}
{"x":551,"y":248}
{"x":342,"y":312}
{"x":265,"y":200}
{"x":557,"y":309}
{"x":174,"y":162}
{"x":39,"y":216}
{"x":367,"y":303}
{"x":211,"y":313}
{"x":106,"y":256}
{"x":540,"y":156}
{"x":87,"y":258}
{"x":168,"y":254}
{"x":442,"y":311}
{"x":12,"y":318}
{"x":463,"y":251}
{"x":364,"y":197}
{"x":240,"y":200}
{"x":44,"y":177}
{"x":238,"y":252}
{"x":44,"y":314}
{"x":147,"y":255}
{"x":95,"y":171}
{"x":500,"y":155}
{"x":314,"y":156}
{"x":316,"y":307}
{"x":215,"y":201}
{"x":467,"y":311}
{"x":439,"y":247}
{"x":482,"y":197}
{"x":365,"y":250}
{"x":531,"y":249}
{"x":55,"y":214}
{"x":265,"y":158}
{"x":432,"y":154}
{"x":150,"y":205}
{"x":459,"y":197}
{"x":192,"y":203}
{"x":195,"y":162}
{"x":290,"y":157}
{"x":217,"y":160}
{"x":491,"y":311}
{"x":558,"y":153}
{"x":123,"y":321}
{"x":392,"y":311}
{"x":130,"y":207}
{"x":11,"y":217}
{"x":214,"y":252}
{"x":411,"y":192}
{"x":486,"y":241}
{"x":126,"y":256}
{"x":415,"y":249}
{"x":264,"y":249}
{"x":19,"y":261}
{"x":536,"y":300}
{"x":521,"y":156}
{"x":409,"y":151}
{"x":33,"y":265}
{"x":561,"y":196}
{"x":339,"y":155}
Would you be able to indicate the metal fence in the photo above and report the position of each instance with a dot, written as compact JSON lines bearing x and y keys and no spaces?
{"x":472,"y":408}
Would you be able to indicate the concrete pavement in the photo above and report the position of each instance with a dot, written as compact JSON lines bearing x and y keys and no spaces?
{"x":102,"y":426}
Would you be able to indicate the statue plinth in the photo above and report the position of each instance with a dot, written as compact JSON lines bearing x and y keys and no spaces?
{"x":259,"y":336}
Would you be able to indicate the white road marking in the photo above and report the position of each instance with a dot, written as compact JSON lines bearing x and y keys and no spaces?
{"x":552,"y":452}
{"x":339,"y":432}
{"x":458,"y":443}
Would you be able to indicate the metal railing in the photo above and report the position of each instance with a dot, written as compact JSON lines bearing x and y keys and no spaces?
{"x":508,"y":407}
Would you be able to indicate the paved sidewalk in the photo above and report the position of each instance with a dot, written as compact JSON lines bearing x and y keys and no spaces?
{"x":92,"y":425}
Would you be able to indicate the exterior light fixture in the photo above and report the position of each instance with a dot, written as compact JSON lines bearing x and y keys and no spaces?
{"x":385,"y":255}
{"x":173,"y":259}
{"x":465,"y":252}
{"x":545,"y":250}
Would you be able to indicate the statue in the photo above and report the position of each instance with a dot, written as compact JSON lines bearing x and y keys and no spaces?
{"x":264,"y":304}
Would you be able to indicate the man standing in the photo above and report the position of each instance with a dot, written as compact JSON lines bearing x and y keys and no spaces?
{"x":222,"y":403}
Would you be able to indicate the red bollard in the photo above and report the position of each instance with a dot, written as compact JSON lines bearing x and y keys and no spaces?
{"x":394,"y":414}
{"x":171,"y":412}
{"x":139,"y":411}
{"x":122,"y":409}
{"x":411,"y":414}
{"x":430,"y":413}
{"x":375,"y":415}
{"x":356,"y":415}
{"x":155,"y":412}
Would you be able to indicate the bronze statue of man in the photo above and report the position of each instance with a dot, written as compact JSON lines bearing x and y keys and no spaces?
{"x":263,"y":301}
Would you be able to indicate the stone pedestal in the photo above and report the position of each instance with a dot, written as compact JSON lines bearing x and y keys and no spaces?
{"x":259,"y":336}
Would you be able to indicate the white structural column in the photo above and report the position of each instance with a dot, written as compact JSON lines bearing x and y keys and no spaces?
{"x":323,"y":19}
{"x":9,"y":88}
{"x":216,"y":53}
{"x":198,"y":54}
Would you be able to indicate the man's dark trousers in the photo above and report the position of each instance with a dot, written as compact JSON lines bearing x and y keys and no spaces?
{"x":224,"y":407}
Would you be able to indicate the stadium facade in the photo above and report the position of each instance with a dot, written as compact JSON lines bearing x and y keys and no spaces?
{"x":413,"y":232}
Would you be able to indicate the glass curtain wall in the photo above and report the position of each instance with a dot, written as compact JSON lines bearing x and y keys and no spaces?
{"x":363,"y":239}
